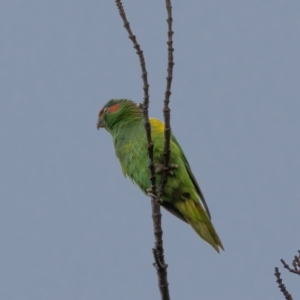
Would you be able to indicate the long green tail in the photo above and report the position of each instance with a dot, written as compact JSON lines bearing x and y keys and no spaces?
{"x":197,"y":217}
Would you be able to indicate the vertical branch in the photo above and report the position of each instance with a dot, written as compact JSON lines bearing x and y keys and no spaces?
{"x":158,"y":250}
{"x":140,"y":54}
{"x":161,"y":267}
{"x":168,"y":93}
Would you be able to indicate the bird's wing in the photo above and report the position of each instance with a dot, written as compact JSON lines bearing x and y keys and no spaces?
{"x":188,"y":168}
{"x":158,"y":128}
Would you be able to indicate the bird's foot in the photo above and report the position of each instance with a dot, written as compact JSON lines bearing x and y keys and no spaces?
{"x":150,"y":194}
{"x":159,"y":168}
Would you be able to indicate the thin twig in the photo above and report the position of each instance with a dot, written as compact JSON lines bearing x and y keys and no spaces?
{"x":294,"y":270}
{"x":281,"y":286}
{"x":140,"y":54}
{"x":161,"y":267}
{"x":286,"y":266}
{"x":295,"y":263}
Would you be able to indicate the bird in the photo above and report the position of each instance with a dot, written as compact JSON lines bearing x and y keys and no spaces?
{"x":182,"y":196}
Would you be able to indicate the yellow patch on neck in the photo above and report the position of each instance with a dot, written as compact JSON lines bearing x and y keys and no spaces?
{"x":157,"y":125}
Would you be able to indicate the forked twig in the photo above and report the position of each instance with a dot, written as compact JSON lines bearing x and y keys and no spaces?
{"x":295,"y":263}
{"x":161,"y":267}
{"x":294,"y":270}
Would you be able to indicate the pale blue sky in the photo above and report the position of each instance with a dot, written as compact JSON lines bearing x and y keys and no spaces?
{"x":72,"y":227}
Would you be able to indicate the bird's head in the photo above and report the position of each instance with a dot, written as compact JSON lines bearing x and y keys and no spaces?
{"x":116,"y":112}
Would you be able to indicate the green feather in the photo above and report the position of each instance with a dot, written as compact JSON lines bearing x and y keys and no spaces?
{"x":182,"y":196}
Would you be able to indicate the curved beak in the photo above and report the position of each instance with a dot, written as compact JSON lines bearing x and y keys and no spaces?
{"x":100,"y":123}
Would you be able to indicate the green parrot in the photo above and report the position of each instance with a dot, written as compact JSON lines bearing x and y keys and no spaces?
{"x":182,"y":196}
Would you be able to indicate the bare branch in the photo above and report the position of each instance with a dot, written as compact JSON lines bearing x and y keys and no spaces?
{"x":294,"y":270}
{"x":158,"y":251}
{"x":145,"y":106}
{"x":168,"y":93}
{"x":281,"y":286}
{"x":296,"y":264}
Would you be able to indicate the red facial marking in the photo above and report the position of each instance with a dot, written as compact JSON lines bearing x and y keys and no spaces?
{"x":113,"y":108}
